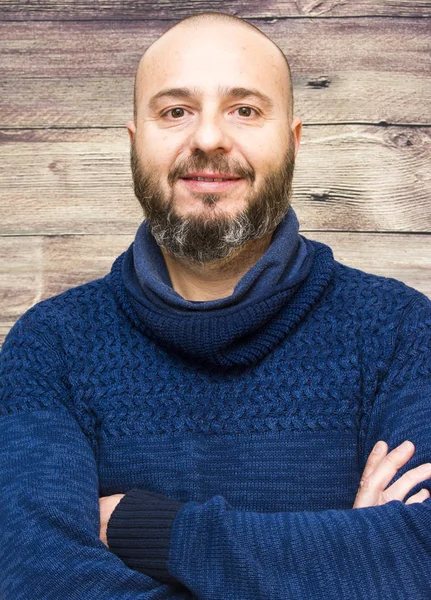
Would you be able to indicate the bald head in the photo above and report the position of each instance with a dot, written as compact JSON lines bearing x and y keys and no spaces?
{"x":213,"y":142}
{"x":218,"y":33}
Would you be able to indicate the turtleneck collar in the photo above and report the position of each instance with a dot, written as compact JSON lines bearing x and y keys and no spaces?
{"x":238,"y":330}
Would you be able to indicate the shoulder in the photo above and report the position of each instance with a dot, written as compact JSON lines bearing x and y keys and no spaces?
{"x":72,"y":302}
{"x":359,"y":288}
{"x":77,"y":308}
{"x":372,"y":305}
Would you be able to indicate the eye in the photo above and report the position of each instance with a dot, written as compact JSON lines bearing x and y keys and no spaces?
{"x":247,"y":111}
{"x":175,"y":113}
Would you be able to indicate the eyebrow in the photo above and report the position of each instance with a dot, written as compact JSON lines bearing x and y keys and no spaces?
{"x":237,"y":93}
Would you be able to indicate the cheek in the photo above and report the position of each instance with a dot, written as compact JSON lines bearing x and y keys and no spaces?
{"x":264,"y":152}
{"x":154,"y":144}
{"x":156,"y":155}
{"x":264,"y":162}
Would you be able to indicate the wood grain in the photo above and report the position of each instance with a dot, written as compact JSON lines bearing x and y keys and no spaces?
{"x":36,"y":267}
{"x":348,"y":178}
{"x":314,"y":46}
{"x":348,"y":96}
{"x":69,"y":74}
{"x":130,"y":9}
{"x":66,"y":76}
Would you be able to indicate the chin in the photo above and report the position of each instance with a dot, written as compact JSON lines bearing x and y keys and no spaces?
{"x":212,"y":208}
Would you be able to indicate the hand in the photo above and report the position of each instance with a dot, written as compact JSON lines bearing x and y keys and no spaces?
{"x":379,"y":471}
{"x":107,"y":505}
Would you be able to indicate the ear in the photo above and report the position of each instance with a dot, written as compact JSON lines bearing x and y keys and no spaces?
{"x":131,"y":128}
{"x":296,"y":131}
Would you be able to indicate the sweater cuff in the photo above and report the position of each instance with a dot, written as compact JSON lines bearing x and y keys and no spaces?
{"x":139,"y":532}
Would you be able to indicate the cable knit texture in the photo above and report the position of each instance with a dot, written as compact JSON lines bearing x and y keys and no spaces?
{"x":259,"y":445}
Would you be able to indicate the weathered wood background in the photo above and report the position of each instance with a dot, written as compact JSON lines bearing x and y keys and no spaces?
{"x":362,"y":87}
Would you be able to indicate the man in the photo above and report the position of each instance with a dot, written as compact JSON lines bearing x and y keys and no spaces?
{"x":224,"y":386}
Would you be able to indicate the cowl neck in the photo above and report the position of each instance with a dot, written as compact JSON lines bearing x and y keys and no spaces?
{"x":238,"y":330}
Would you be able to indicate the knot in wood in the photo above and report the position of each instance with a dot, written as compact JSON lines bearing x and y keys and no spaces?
{"x":319,"y":82}
{"x":55,"y":166}
{"x":320,"y":195}
{"x":402,"y":140}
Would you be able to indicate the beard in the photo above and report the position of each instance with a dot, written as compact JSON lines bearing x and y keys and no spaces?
{"x":214,"y":236}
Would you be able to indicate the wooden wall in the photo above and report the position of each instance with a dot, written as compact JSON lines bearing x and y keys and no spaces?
{"x":362,"y":87}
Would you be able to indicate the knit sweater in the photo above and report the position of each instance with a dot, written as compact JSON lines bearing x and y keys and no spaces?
{"x":255,"y":422}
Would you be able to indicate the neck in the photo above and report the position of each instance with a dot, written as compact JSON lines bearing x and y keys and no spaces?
{"x":215,"y":280}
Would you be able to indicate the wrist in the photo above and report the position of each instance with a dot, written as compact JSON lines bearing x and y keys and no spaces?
{"x":139,"y":532}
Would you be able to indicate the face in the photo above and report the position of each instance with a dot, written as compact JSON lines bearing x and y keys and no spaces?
{"x":213,"y":148}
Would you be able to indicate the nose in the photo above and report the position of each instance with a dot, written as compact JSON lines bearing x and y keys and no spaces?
{"x":210,"y":135}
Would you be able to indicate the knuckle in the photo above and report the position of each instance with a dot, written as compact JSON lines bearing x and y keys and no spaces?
{"x":391,"y":459}
{"x":394,"y":462}
{"x":364,"y":484}
{"x":411,"y":476}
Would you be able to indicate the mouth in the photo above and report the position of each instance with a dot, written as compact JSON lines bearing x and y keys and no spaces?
{"x":211,"y":177}
{"x":210,"y":182}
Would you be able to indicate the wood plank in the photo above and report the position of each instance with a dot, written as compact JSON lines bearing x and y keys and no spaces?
{"x":348,"y":178}
{"x":317,"y":46}
{"x":35,"y":267}
{"x":337,"y":97}
{"x":66,"y":181}
{"x":130,"y":9}
{"x":358,"y":178}
{"x":406,"y":257}
{"x":76,"y":102}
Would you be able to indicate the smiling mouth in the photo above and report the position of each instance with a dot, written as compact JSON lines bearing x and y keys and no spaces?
{"x":210,"y":184}
{"x":211,"y":179}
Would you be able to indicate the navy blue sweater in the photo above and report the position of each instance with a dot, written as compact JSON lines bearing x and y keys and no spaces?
{"x":253,"y":415}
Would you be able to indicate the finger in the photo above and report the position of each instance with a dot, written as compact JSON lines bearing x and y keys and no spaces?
{"x":376,"y":455}
{"x":404,"y":485}
{"x":373,"y":485}
{"x":419,"y":497}
{"x":390,"y":465}
{"x":365,"y":495}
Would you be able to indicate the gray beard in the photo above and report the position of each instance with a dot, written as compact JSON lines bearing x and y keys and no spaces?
{"x":204,"y":239}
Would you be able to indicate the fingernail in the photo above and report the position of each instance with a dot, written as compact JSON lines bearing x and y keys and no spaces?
{"x":378,"y":448}
{"x":406,"y":446}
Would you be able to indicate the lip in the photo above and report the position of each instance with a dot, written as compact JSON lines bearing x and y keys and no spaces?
{"x":209,"y":175}
{"x":210,"y":186}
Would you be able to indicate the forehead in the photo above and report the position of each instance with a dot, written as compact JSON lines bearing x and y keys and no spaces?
{"x":210,"y":58}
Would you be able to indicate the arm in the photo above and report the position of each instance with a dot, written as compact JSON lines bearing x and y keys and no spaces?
{"x":381,"y":552}
{"x":49,"y":517}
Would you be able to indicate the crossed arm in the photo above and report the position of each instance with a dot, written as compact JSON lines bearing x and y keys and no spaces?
{"x":374,"y":488}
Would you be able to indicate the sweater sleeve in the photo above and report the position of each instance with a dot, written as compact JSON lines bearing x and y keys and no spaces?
{"x":49,"y":517}
{"x":378,"y":553}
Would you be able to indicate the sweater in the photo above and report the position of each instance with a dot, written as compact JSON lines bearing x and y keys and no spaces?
{"x":254,"y":418}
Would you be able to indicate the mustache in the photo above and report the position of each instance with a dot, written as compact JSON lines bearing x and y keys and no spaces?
{"x":218,"y":163}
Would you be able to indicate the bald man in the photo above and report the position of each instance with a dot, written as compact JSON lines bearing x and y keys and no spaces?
{"x":229,"y":414}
